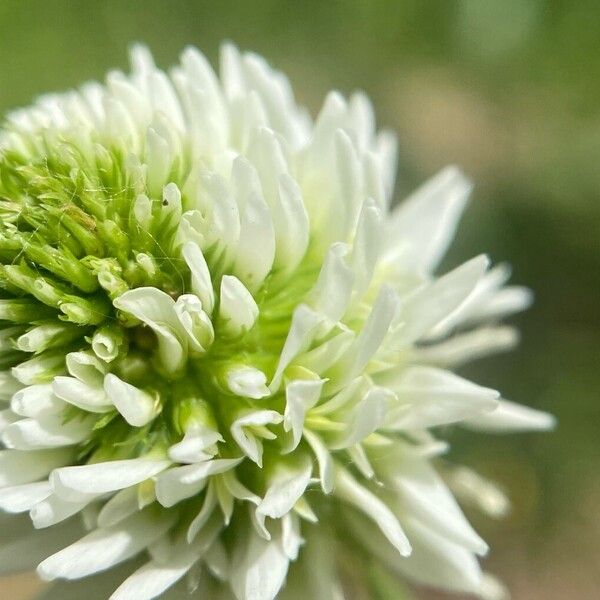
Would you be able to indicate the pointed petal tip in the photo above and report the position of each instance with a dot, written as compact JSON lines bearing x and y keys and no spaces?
{"x":44,"y":572}
{"x":455,"y":174}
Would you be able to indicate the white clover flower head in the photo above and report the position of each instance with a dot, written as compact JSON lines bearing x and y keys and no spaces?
{"x":225,"y":352}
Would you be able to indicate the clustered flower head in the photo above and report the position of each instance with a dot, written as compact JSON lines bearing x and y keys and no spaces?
{"x":223,"y":354}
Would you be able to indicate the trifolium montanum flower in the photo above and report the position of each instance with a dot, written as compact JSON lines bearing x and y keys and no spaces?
{"x":224,"y":355}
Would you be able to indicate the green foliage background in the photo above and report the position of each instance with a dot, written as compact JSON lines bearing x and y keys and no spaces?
{"x":508,"y":90}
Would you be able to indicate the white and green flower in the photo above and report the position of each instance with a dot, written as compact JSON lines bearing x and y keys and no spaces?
{"x":224,"y":350}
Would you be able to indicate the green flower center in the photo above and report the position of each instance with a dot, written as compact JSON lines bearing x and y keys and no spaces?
{"x":76,"y":232}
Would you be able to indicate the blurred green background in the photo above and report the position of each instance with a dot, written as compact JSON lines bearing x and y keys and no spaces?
{"x":507,"y":89}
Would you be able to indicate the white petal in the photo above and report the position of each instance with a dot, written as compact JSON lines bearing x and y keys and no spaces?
{"x":226,"y":501}
{"x":247,"y":382}
{"x":431,"y":303}
{"x":332,"y":116}
{"x":247,"y":114}
{"x":217,"y":561}
{"x":511,"y":417}
{"x":376,"y":327}
{"x":158,"y":159}
{"x":361,"y":498}
{"x":164,"y":97}
{"x":198,"y":69}
{"x":375,"y":181}
{"x":304,"y":510}
{"x":89,"y":515}
{"x":284,"y":489}
{"x":472,"y":488}
{"x":86,"y":367}
{"x":492,"y":588}
{"x":18,"y":467}
{"x":24,"y":552}
{"x":504,"y":302}
{"x":95,"y":587}
{"x":122,"y":505}
{"x":171,"y":208}
{"x":479,"y":297}
{"x":209,"y":468}
{"x":469,"y":346}
{"x":425,"y":495}
{"x":238,"y":490}
{"x":142,"y":211}
{"x":195,"y":322}
{"x":427,"y":220}
{"x":137,"y":104}
{"x":291,"y":540}
{"x":301,"y":396}
{"x":54,"y":509}
{"x":104,"y":548}
{"x":431,"y":397}
{"x":80,"y":394}
{"x":106,"y":343}
{"x":371,"y":335}
{"x":46,"y":432}
{"x":324,"y":459}
{"x":39,"y":369}
{"x":201,"y":280}
{"x":348,"y":180}
{"x":256,"y":247}
{"x":332,"y":291}
{"x":325,"y":355}
{"x":303,"y":329}
{"x":488,"y":301}
{"x":360,"y":459}
{"x":292,"y":228}
{"x":208,"y":507}
{"x":321,"y":578}
{"x":342,"y":400}
{"x":327,"y":172}
{"x":387,"y":150}
{"x":231,"y":71}
{"x":456,"y":569}
{"x":366,"y":246}
{"x":196,"y":446}
{"x":36,"y":401}
{"x":155,"y":308}
{"x":100,"y":478}
{"x":22,"y":498}
{"x":137,"y":407}
{"x":259,"y":569}
{"x":275,"y":92}
{"x":241,"y":430}
{"x":267,"y":156}
{"x":151,"y":580}
{"x":218,"y":216}
{"x":368,"y":416}
{"x":175,"y":485}
{"x":238,"y":310}
{"x":171,"y":487}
